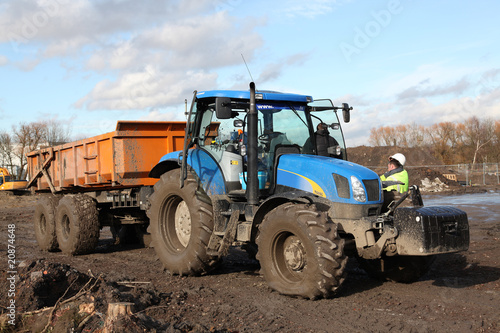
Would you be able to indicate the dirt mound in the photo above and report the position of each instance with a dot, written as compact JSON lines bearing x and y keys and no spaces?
{"x":375,"y":157}
{"x":64,"y":299}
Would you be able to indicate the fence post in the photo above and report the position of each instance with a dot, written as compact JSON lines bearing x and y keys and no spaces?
{"x":498,"y":176}
{"x":484,"y":173}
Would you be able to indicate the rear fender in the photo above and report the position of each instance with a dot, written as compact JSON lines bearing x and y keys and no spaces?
{"x":201,"y":163}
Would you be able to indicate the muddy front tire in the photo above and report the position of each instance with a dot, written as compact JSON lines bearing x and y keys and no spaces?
{"x":77,"y":224}
{"x":44,"y":222}
{"x":181,"y":224}
{"x":397,"y":268}
{"x":300,"y":252}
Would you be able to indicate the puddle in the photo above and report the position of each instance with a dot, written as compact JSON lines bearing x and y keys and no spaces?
{"x":480,"y":207}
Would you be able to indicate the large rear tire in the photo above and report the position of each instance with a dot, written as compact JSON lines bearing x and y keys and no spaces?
{"x":77,"y":224}
{"x":397,"y":268}
{"x":44,"y":222}
{"x":300,"y":252}
{"x":181,"y":225}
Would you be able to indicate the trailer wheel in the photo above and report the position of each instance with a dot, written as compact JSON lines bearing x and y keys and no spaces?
{"x":44,"y":223}
{"x":77,"y":224}
{"x":181,"y":225}
{"x":300,"y":252}
{"x":397,"y":268}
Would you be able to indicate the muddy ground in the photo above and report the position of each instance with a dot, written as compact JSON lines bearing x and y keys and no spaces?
{"x":461,"y":293}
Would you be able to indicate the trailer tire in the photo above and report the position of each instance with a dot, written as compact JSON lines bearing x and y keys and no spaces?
{"x":404,"y":269}
{"x":44,"y":223}
{"x":300,"y":252}
{"x":181,"y":225}
{"x":77,"y":224}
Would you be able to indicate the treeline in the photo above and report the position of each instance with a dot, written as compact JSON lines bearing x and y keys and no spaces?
{"x":471,"y":141}
{"x":27,"y":137}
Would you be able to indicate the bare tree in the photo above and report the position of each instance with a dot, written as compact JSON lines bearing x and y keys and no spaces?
{"x":375,"y":138}
{"x":477,"y":134}
{"x":416,"y":135}
{"x":452,"y":142}
{"x":384,"y":136}
{"x":28,"y":136}
{"x":7,"y":151}
{"x":56,"y":132}
{"x":495,"y":143}
{"x":443,"y":138}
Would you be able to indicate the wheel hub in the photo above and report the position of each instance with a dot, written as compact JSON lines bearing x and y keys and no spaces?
{"x":43,"y":224}
{"x":294,"y":253}
{"x":183,"y":223}
{"x":66,"y":226}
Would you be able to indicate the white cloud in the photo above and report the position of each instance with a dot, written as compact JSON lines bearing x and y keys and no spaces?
{"x":172,"y":115}
{"x":274,"y":70}
{"x":430,"y":78}
{"x":3,"y":60}
{"x":145,"y":90}
{"x":421,"y":111}
{"x":60,"y":23}
{"x":424,"y":89}
{"x":202,"y":42}
{"x":310,"y":9}
{"x":157,"y":66}
{"x":152,"y":51}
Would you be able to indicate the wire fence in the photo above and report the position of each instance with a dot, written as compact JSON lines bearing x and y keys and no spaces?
{"x":477,"y":174}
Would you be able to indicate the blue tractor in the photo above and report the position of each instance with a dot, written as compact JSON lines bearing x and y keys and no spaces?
{"x":252,"y":173}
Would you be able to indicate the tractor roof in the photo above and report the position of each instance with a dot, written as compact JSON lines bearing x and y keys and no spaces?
{"x":259,"y":95}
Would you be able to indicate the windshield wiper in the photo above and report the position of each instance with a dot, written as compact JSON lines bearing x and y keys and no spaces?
{"x":296,"y":113}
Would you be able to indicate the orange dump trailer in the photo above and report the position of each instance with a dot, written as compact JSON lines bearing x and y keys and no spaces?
{"x":85,"y":185}
{"x":114,"y":160}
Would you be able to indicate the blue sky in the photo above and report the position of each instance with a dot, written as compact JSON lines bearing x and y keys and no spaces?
{"x":90,"y":63}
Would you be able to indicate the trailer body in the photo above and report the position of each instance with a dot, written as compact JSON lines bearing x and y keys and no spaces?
{"x":115,"y":160}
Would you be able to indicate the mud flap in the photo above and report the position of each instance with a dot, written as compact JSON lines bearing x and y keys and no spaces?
{"x":431,"y":230}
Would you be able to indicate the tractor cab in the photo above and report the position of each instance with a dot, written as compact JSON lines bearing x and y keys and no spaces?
{"x":286,"y":124}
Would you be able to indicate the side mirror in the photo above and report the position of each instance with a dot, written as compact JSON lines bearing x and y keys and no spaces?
{"x":346,"y":112}
{"x":223,"y":107}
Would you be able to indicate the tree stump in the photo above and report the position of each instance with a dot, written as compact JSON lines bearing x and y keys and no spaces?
{"x":116,"y":311}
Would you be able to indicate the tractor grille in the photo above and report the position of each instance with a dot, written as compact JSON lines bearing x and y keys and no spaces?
{"x":372,"y":189}
{"x":342,"y":184}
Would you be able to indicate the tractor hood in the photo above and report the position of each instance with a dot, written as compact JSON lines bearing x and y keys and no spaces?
{"x":330,"y":178}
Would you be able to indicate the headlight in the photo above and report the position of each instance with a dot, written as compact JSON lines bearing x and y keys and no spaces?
{"x":358,"y":190}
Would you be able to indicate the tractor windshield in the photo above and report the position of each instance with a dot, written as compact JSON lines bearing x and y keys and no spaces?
{"x":280,"y":123}
{"x":326,"y":124}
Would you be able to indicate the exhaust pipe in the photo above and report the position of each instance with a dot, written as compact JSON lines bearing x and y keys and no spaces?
{"x":252,"y":193}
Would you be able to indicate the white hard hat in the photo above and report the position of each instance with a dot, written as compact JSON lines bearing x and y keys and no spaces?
{"x":399,"y":157}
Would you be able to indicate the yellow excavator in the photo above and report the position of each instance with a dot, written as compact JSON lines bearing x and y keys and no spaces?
{"x":8,"y":184}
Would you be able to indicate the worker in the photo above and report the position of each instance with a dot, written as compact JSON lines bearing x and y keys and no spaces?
{"x":394,"y":181}
{"x":396,"y":177}
{"x":323,"y":141}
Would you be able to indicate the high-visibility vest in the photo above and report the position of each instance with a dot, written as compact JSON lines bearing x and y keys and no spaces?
{"x":401,"y":176}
